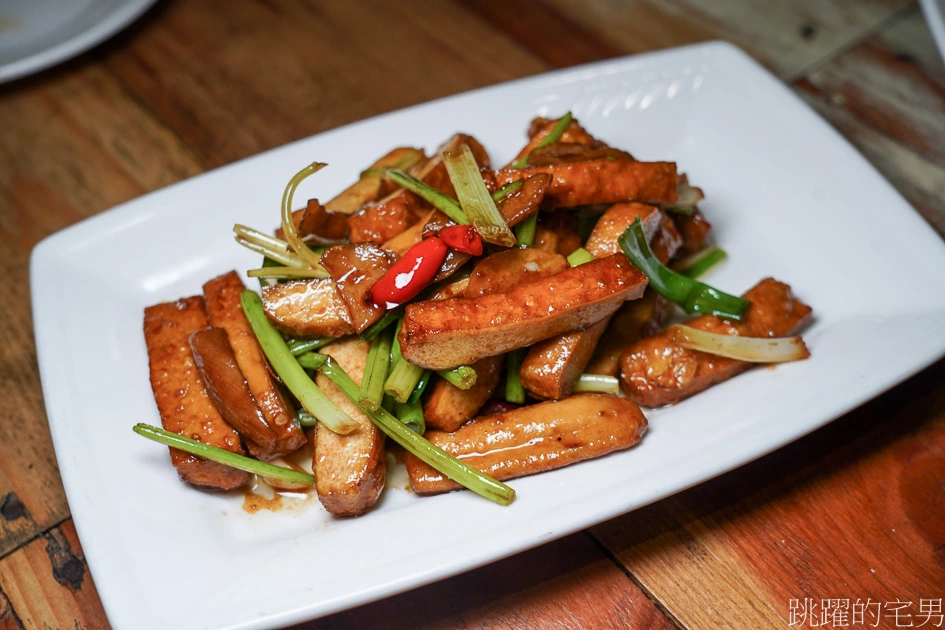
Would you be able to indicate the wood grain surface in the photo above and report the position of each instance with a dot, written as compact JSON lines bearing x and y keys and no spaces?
{"x":855,"y":510}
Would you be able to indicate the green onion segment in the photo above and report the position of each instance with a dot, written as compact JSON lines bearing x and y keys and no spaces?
{"x":288,"y":225}
{"x":525,"y":231}
{"x":507,"y":190}
{"x":433,"y":455}
{"x":579,"y":257}
{"x":553,"y":136}
{"x":514,"y":392}
{"x":221,"y":456}
{"x":599,"y":383}
{"x":301,"y":346}
{"x":442,"y":202}
{"x":292,"y":374}
{"x":692,"y":295}
{"x":474,"y":197}
{"x":701,"y":262}
{"x":411,"y":415}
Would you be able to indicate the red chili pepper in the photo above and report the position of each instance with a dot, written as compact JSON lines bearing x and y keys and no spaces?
{"x":409,"y":275}
{"x":462,"y":238}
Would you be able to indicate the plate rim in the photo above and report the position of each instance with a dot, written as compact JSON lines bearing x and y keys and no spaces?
{"x":45,"y":252}
{"x":77,"y":43}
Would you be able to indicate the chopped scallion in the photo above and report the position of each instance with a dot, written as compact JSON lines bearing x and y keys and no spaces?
{"x":692,"y":295}
{"x":411,"y":415}
{"x":301,"y":346}
{"x":507,"y":190}
{"x":474,"y":197}
{"x":599,"y":383}
{"x":525,"y":230}
{"x":701,"y":262}
{"x":553,"y":136}
{"x":579,"y":257}
{"x":514,"y":392}
{"x":445,"y":203}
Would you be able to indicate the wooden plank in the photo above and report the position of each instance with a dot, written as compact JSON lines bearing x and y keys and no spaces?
{"x":219,"y":81}
{"x":785,"y":35}
{"x":854,"y":510}
{"x":887,"y":96}
{"x":71,"y":145}
{"x":568,"y":583}
{"x":47,"y":584}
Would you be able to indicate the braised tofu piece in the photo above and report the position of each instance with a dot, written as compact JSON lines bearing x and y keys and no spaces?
{"x":369,"y":188}
{"x":460,"y":331}
{"x":539,"y":129}
{"x":563,"y":224}
{"x":225,"y":311}
{"x":307,"y":308}
{"x":229,"y":392}
{"x":379,"y":222}
{"x":349,"y":469}
{"x":355,"y":269}
{"x":694,"y":231}
{"x":447,"y":407}
{"x":322,"y":224}
{"x":632,"y":321}
{"x":507,"y":269}
{"x":615,"y":221}
{"x":182,"y":400}
{"x":516,"y":206}
{"x":657,"y":371}
{"x":534,"y":439}
{"x":601,"y":181}
{"x":552,"y":367}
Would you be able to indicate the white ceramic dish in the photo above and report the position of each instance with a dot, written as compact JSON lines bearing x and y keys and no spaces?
{"x":788,"y":198}
{"x":934,"y":11}
{"x":36,"y":34}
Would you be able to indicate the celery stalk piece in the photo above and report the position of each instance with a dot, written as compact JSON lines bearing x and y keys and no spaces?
{"x":692,"y":295}
{"x":514,"y":392}
{"x":421,"y":387}
{"x":579,"y":257}
{"x":462,"y":377}
{"x":442,"y":202}
{"x":553,"y":136}
{"x":311,"y":360}
{"x":403,"y":380}
{"x":701,"y":262}
{"x":433,"y":455}
{"x":525,"y":231}
{"x":599,"y":383}
{"x":411,"y":415}
{"x":292,"y":374}
{"x":474,"y":197}
{"x":301,"y":346}
{"x":507,"y":190}
{"x":375,"y":371}
{"x":386,"y":320}
{"x":220,"y":456}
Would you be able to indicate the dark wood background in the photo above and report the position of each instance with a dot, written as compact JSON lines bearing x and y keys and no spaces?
{"x":855,"y":510}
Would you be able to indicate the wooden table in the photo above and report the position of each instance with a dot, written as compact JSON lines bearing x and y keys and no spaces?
{"x":855,"y":511}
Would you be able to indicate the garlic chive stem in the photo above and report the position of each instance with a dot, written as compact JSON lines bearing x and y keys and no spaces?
{"x":598,"y":383}
{"x":462,"y":377}
{"x":288,"y":224}
{"x":375,"y":371}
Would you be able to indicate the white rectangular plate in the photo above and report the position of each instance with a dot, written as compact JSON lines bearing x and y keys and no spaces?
{"x":788,"y":198}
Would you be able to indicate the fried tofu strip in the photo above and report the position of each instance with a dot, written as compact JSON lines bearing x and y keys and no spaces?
{"x":447,"y":407}
{"x":534,"y":439}
{"x":659,"y":229}
{"x":379,"y":222}
{"x":552,"y":367}
{"x":182,"y":400}
{"x":656,"y":371}
{"x":632,"y":321}
{"x":224,"y":310}
{"x":367,"y":188}
{"x":601,"y":181}
{"x":229,"y":392}
{"x":349,"y":469}
{"x":460,"y":331}
{"x":307,"y":308}
{"x":355,"y":269}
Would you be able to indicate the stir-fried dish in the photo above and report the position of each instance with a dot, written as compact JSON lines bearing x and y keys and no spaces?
{"x":491,"y":322}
